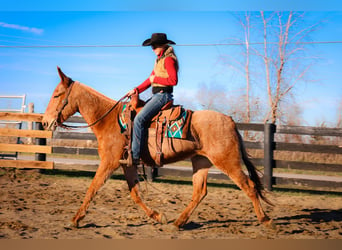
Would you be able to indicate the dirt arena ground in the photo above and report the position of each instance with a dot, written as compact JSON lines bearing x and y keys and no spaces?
{"x":39,"y":206}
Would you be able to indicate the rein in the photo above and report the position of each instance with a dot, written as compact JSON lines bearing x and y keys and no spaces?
{"x":65,"y":102}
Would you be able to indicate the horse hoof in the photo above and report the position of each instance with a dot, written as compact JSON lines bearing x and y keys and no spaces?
{"x":175,"y":227}
{"x":71,"y":225}
{"x":270,"y":224}
{"x":163,"y":219}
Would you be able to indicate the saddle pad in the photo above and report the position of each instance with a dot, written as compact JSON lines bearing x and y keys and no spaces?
{"x":175,"y":128}
{"x":123,"y":119}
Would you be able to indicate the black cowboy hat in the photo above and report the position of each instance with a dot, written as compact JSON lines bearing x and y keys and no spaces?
{"x":157,"y":38}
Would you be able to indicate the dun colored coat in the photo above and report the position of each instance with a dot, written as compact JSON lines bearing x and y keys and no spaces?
{"x":218,"y":143}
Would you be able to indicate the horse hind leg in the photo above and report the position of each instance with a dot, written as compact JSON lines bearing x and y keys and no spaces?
{"x":132,"y":179}
{"x":201,"y":167}
{"x":237,"y":175}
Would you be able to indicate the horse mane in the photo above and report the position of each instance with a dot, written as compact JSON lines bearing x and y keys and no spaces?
{"x":96,"y":93}
{"x":93,"y":105}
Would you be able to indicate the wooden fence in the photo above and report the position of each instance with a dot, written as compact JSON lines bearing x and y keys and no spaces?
{"x":39,"y":149}
{"x":267,"y":144}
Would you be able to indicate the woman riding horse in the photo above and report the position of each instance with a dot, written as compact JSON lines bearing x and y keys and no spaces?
{"x":162,"y":79}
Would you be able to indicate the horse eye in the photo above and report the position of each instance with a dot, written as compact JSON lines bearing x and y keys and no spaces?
{"x":58,"y":95}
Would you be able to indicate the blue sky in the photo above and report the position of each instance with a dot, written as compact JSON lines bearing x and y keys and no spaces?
{"x":115,"y":70}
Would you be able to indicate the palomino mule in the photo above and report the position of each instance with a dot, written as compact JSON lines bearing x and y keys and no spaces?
{"x":218,"y":143}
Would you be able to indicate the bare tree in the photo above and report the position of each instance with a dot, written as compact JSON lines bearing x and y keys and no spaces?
{"x":291,"y":115}
{"x":339,"y":115}
{"x":269,"y":87}
{"x":212,"y":97}
{"x":246,"y":27}
{"x":284,"y":58}
{"x":241,"y":65}
{"x":266,"y":59}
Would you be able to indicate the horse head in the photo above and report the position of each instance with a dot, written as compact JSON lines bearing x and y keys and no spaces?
{"x":61,"y":106}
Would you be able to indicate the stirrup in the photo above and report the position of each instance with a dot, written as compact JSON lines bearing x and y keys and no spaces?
{"x":127,"y":157}
{"x":129,"y":162}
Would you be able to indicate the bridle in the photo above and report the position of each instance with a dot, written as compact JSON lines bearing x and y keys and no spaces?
{"x":65,"y":103}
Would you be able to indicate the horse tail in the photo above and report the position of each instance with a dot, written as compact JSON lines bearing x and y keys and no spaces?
{"x":252,"y":171}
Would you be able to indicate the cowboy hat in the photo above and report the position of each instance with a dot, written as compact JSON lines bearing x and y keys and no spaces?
{"x":157,"y":38}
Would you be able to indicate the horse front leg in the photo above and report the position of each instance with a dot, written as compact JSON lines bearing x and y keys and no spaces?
{"x":102,"y":174}
{"x":199,"y":181}
{"x":132,"y":179}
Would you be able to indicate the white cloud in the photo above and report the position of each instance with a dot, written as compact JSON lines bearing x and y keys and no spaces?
{"x":22,"y":28}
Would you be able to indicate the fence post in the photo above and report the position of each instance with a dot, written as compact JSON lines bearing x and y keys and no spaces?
{"x":30,"y":124}
{"x":269,"y":131}
{"x":40,"y":141}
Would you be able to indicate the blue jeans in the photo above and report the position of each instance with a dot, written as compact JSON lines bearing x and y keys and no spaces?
{"x":142,"y":120}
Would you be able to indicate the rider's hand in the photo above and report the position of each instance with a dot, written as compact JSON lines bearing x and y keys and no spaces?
{"x":131,"y":92}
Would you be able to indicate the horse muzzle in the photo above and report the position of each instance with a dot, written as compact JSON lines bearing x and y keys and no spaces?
{"x":50,"y":126}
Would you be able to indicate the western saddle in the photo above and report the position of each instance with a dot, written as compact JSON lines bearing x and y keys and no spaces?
{"x":168,"y":113}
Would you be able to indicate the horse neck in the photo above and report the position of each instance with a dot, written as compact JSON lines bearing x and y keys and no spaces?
{"x":92,"y":105}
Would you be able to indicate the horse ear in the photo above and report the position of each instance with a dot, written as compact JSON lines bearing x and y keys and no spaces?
{"x":64,"y":79}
